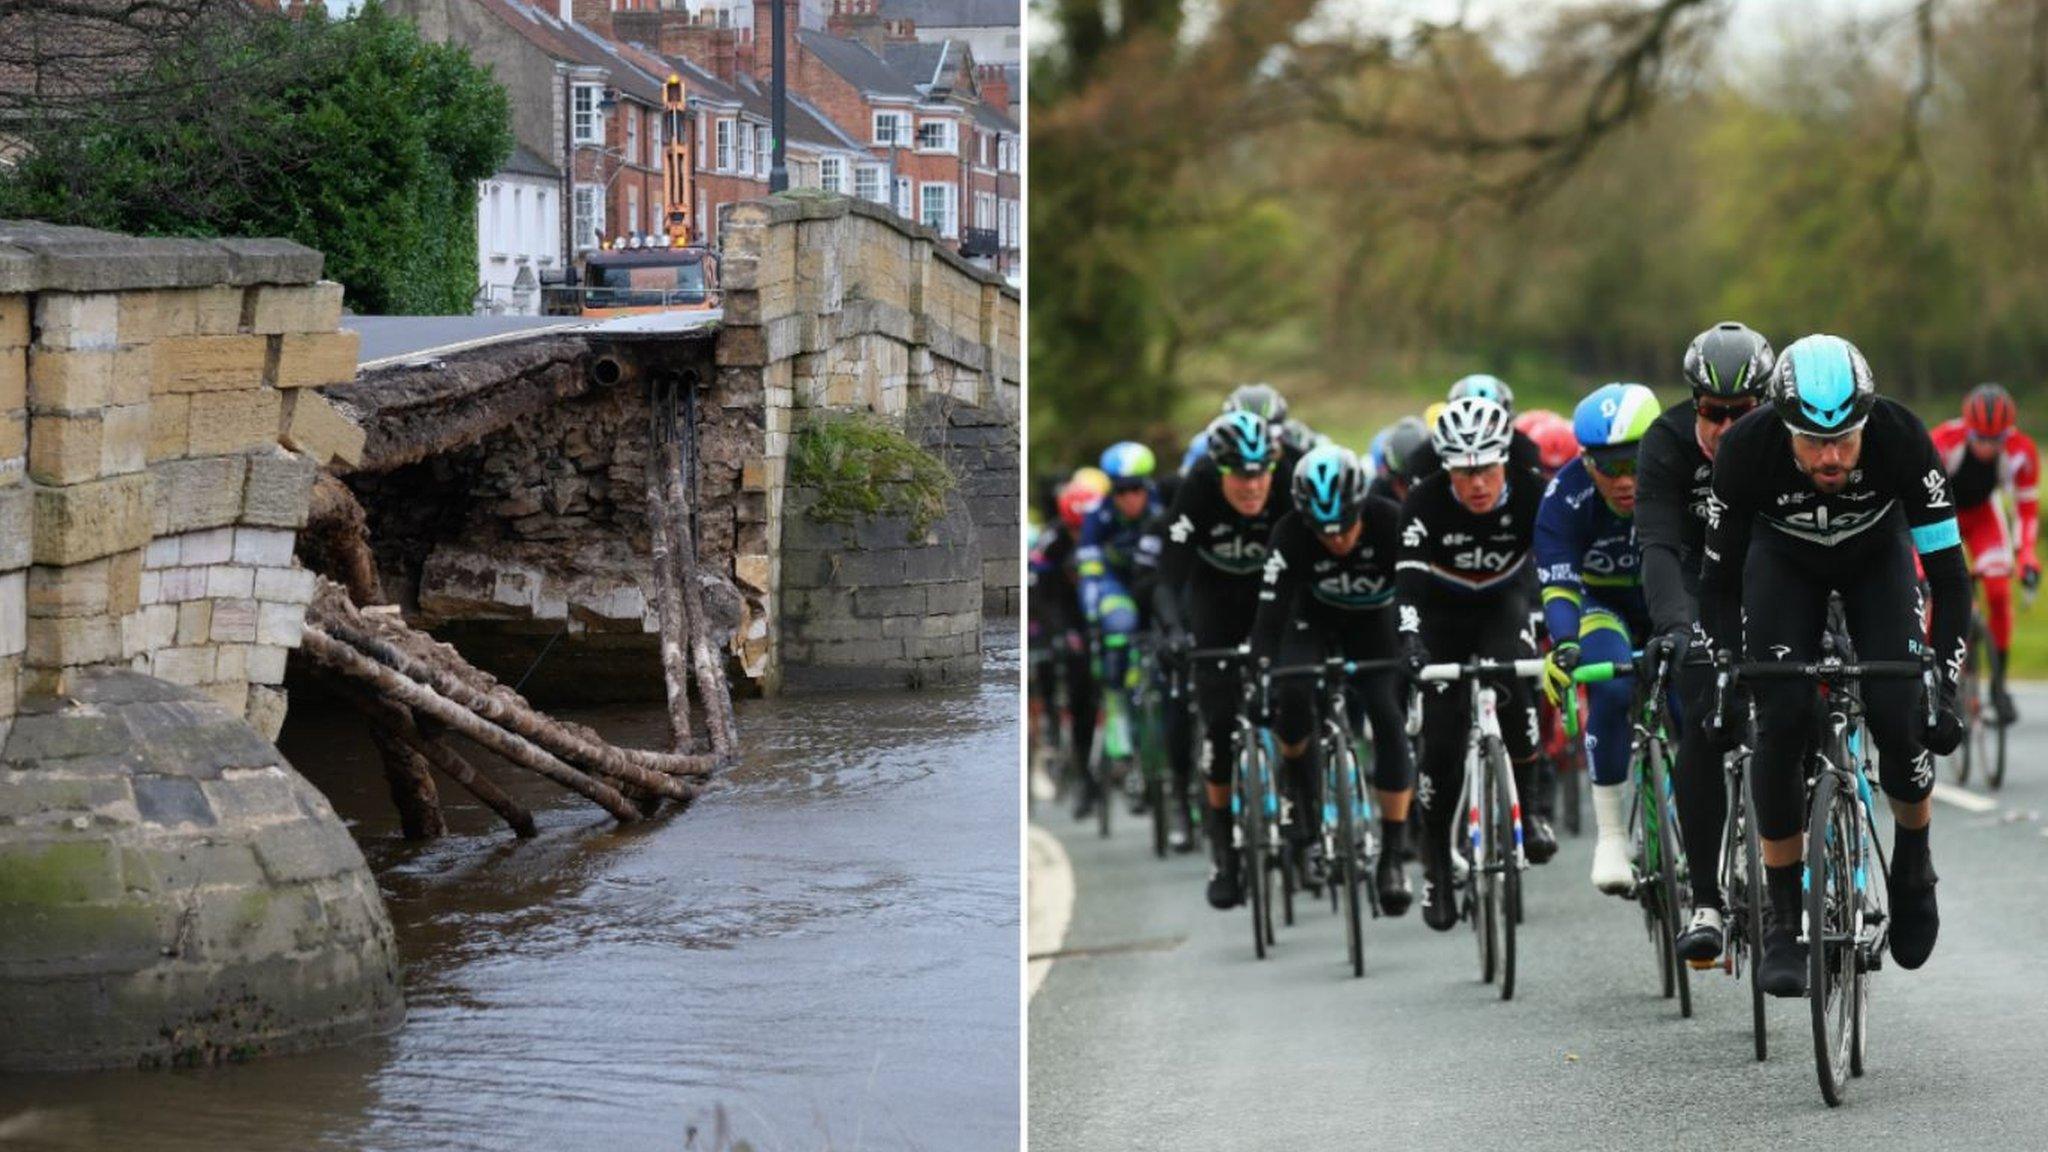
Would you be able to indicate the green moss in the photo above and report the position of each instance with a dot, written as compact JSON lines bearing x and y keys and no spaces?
{"x":58,"y":873}
{"x":858,"y":467}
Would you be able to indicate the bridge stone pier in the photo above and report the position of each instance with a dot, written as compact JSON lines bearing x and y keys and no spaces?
{"x":171,"y":891}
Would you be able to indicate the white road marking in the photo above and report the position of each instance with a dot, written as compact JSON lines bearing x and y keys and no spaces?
{"x":1966,"y":800}
{"x":1050,"y":900}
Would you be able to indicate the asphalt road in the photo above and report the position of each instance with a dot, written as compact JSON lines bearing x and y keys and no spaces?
{"x":1155,"y":1028}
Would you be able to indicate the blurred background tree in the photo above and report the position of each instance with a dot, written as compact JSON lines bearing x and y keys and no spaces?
{"x":1361,"y":205}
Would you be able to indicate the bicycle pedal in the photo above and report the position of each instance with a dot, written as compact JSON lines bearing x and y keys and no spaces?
{"x":1704,"y":965}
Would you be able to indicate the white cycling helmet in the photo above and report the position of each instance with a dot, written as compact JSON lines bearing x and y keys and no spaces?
{"x":1472,"y":432}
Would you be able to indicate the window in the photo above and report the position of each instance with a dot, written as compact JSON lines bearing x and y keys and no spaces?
{"x":892,"y":130}
{"x":703,"y":131}
{"x":984,"y":210}
{"x":829,"y":174}
{"x":746,"y":149}
{"x":512,"y":222}
{"x":903,"y":197}
{"x":764,"y":140}
{"x":867,"y":183}
{"x":541,"y":230}
{"x":724,"y":163}
{"x":589,"y":222}
{"x":938,"y":205}
{"x":936,"y":136}
{"x":658,"y":219}
{"x":632,"y":135}
{"x":632,"y":208}
{"x":588,"y":126}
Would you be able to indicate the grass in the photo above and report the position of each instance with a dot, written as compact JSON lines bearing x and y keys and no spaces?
{"x":859,"y":467}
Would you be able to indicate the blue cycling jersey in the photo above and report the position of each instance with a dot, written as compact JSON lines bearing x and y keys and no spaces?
{"x":1586,"y":551}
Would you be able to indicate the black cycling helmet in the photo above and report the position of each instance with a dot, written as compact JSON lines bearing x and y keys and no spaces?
{"x":1261,"y":399}
{"x":1404,"y":443}
{"x":1729,"y":360}
{"x":1299,"y":438}
{"x":1242,"y":442}
{"x":1822,"y":387}
{"x":1329,"y":489}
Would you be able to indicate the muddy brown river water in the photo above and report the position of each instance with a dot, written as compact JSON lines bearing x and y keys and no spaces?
{"x":824,"y":951}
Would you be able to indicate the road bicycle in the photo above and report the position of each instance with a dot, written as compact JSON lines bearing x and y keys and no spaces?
{"x":1845,"y":926}
{"x":1161,"y":688}
{"x":1655,"y":855}
{"x":1254,"y":801}
{"x":1742,"y":879}
{"x":1492,"y":833}
{"x":1350,"y":832}
{"x":1983,"y":736}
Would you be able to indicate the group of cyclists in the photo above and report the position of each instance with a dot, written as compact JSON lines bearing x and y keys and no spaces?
{"x":1722,"y":527}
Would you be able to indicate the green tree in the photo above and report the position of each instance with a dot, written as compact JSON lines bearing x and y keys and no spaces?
{"x":351,"y":136}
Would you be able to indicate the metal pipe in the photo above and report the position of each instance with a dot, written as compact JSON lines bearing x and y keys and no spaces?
{"x":607,"y":371}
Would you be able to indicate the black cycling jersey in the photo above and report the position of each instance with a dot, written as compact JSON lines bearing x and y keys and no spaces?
{"x":1450,"y":553}
{"x":1210,"y":552}
{"x":1305,"y":581}
{"x":1523,"y":456}
{"x":1674,"y":482}
{"x":1975,"y":480}
{"x":1899,"y":488}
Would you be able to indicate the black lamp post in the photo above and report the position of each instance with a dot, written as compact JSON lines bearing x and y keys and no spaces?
{"x":778,"y":175}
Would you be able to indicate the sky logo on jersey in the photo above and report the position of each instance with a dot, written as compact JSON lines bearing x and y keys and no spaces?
{"x":1181,"y":530}
{"x":1936,"y":483}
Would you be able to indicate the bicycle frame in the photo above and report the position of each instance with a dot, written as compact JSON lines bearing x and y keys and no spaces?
{"x":1485,"y":703}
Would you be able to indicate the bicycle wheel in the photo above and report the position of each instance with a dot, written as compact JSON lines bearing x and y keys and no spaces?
{"x":1752,"y":910}
{"x":1503,"y":867}
{"x":1251,"y":828}
{"x":1344,"y":863}
{"x":1479,"y":887}
{"x":1671,"y":909}
{"x":1970,"y":695}
{"x":1994,"y":760}
{"x":1833,"y":973}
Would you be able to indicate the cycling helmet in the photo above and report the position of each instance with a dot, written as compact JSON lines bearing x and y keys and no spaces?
{"x":1197,"y":451}
{"x":1556,"y":443}
{"x":1609,"y":421}
{"x":1472,"y":432}
{"x":1091,"y":478}
{"x":1988,"y":411}
{"x":1528,"y":422}
{"x":1404,"y":441}
{"x":1329,"y":488}
{"x":1242,"y":442}
{"x":1480,"y":384}
{"x":1261,"y":399}
{"x":1430,"y":413}
{"x":1076,"y":502}
{"x":1822,"y":387}
{"x":1729,"y":360}
{"x":1375,"y":459}
{"x":1129,"y":465}
{"x":1298,"y":437}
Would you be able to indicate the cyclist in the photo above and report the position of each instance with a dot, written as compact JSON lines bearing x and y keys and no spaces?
{"x":1206,"y":594}
{"x":1106,"y":549}
{"x":1591,"y":569}
{"x":1984,"y":451}
{"x":1522,"y":453}
{"x":1053,"y":593}
{"x":1405,"y":438}
{"x":1292,"y":436}
{"x":1328,"y":590}
{"x":1817,"y":496}
{"x":1465,"y":540}
{"x":1556,"y":446}
{"x":1727,"y":367}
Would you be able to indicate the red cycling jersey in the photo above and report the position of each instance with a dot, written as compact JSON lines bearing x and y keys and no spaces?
{"x":2016,"y":469}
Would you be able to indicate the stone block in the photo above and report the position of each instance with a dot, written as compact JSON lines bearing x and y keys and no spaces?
{"x":77,"y":320}
{"x":159,"y":627}
{"x":285,"y":585}
{"x":267,"y":663}
{"x":13,"y":613}
{"x":212,"y":546}
{"x":755,"y":571}
{"x":315,"y":360}
{"x":953,"y":597}
{"x":172,"y":800}
{"x":13,"y":445}
{"x":182,"y":584}
{"x":195,"y":622}
{"x":147,"y":316}
{"x":312,"y":425}
{"x":87,"y":521}
{"x":203,"y":493}
{"x":64,"y":448}
{"x":13,"y":378}
{"x":66,"y":380}
{"x":266,"y":705}
{"x":73,"y":641}
{"x":230,"y":581}
{"x":17,"y":526}
{"x":264,"y":547}
{"x":275,"y":308}
{"x":124,"y":582}
{"x":224,"y":422}
{"x":14,"y":330}
{"x":170,"y":427}
{"x":900,"y":601}
{"x":152,"y":585}
{"x":234,"y":622}
{"x":74,"y":590}
{"x":183,"y":665}
{"x":280,"y":489}
{"x":208,"y":363}
{"x":124,"y":439}
{"x":231,"y":664}
{"x":280,"y":625}
{"x":294,"y":852}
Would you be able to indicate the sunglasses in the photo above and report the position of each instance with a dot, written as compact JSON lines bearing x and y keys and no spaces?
{"x":1723,"y":413}
{"x":1616,"y":468}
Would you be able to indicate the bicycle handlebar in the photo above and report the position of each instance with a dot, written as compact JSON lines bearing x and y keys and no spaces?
{"x":1521,"y":669}
{"x":1335,"y":665}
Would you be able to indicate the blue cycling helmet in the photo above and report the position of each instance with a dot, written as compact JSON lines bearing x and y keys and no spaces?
{"x":1376,"y":452}
{"x":1610,"y":421}
{"x":1129,"y":465}
{"x":1197,"y":451}
{"x":1822,"y":387}
{"x":1489,"y":387}
{"x":1243,"y":442}
{"x":1329,"y":488}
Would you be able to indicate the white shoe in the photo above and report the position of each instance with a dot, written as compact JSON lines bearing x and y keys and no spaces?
{"x":1612,"y":872}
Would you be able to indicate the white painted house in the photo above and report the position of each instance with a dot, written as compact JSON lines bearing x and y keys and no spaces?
{"x":518,"y":235}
